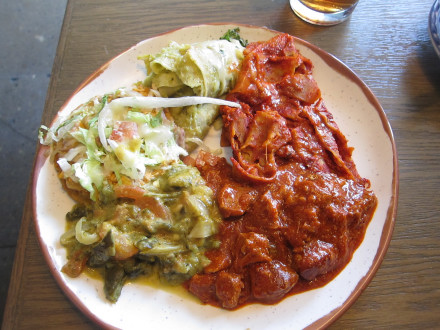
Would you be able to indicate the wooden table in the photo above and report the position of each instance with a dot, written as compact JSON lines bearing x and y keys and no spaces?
{"x":385,"y":42}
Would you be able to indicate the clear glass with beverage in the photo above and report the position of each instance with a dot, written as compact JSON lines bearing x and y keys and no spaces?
{"x":323,"y":12}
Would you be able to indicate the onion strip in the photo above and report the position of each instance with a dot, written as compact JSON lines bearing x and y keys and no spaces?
{"x":164,"y":102}
{"x":150,"y":102}
{"x":102,"y":124}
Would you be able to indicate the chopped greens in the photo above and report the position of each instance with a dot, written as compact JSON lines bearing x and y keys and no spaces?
{"x":234,"y":34}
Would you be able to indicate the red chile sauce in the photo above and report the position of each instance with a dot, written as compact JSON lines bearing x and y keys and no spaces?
{"x":294,"y":207}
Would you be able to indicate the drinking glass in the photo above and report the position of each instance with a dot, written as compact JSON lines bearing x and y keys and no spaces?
{"x":323,"y":12}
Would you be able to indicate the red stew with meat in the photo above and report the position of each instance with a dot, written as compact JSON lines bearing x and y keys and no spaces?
{"x":294,"y":207}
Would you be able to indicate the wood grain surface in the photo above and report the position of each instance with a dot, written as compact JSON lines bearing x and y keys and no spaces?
{"x":386,"y":43}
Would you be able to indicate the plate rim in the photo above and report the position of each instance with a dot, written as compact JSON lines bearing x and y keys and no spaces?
{"x":337,"y":65}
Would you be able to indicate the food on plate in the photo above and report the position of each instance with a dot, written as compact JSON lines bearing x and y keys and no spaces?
{"x":283,"y":215}
{"x":207,"y":68}
{"x":140,"y":209}
{"x":204,"y":68}
{"x":294,"y":207}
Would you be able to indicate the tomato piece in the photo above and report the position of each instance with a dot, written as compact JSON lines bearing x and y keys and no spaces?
{"x":76,"y":264}
{"x":124,"y":247}
{"x":140,"y":199}
{"x":124,"y":130}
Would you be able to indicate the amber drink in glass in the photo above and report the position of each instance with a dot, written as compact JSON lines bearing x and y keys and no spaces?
{"x":323,"y":12}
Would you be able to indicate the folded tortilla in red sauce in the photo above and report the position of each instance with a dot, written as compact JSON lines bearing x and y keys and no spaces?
{"x":294,"y":206}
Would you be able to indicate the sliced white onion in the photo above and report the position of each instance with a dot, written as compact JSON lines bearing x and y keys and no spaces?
{"x":83,"y":236}
{"x":64,"y":164}
{"x":72,"y":153}
{"x":195,"y":140}
{"x":103,"y":116}
{"x":163,"y":102}
{"x":112,"y":144}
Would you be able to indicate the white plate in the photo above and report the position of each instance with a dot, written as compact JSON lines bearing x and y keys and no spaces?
{"x":360,"y":118}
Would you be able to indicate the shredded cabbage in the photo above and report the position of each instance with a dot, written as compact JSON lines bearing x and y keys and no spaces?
{"x":102,"y":148}
{"x":90,"y":175}
{"x":98,"y":153}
